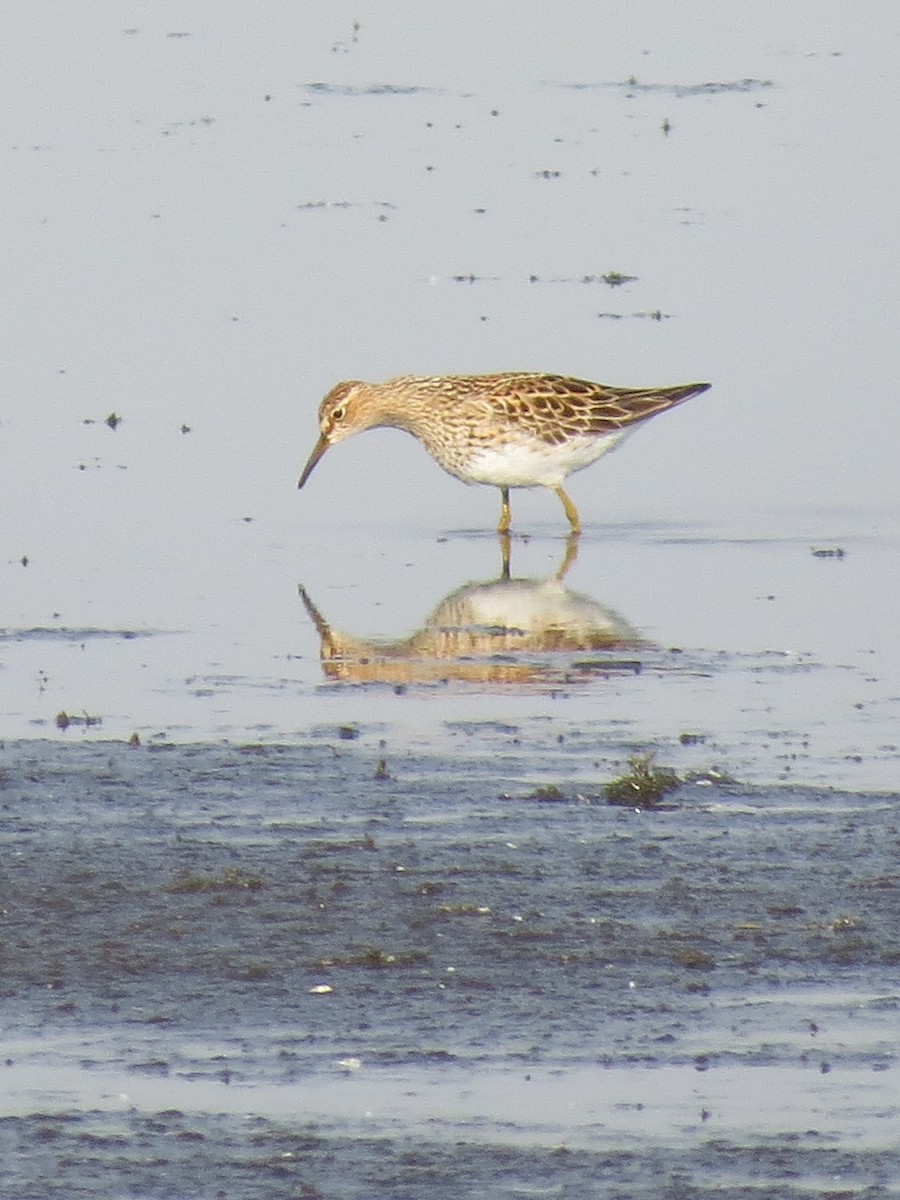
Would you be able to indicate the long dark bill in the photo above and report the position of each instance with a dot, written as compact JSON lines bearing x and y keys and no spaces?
{"x":318,"y":450}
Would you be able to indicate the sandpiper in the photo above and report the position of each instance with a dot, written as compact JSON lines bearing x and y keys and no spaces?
{"x":516,"y":429}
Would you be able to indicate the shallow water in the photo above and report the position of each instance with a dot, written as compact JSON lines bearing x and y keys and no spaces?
{"x":308,"y":882}
{"x":779,"y":664}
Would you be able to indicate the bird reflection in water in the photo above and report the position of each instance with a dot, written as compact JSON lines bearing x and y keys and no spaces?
{"x":506,"y":631}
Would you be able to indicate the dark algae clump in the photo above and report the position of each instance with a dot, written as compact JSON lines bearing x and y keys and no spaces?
{"x":644,"y":786}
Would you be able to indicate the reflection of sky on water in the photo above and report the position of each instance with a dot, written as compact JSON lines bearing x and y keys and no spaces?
{"x":168,"y":266}
{"x":206,"y":231}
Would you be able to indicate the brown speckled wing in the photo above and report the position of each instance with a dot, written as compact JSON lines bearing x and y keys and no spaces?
{"x":554,"y":408}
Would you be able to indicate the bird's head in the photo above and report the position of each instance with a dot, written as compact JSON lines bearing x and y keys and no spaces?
{"x":343,"y":412}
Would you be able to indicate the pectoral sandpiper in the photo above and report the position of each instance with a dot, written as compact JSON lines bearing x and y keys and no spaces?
{"x":509,"y":430}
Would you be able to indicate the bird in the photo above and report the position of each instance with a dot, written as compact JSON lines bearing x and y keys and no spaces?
{"x":510,"y":430}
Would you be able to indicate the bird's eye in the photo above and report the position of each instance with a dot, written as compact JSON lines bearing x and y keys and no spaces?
{"x":339,"y":413}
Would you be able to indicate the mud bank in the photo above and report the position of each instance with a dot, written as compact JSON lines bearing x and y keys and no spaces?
{"x":264,"y":967}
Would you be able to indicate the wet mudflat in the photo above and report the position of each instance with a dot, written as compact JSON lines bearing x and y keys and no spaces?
{"x":259,"y":970}
{"x":172,"y":1154}
{"x":352,"y":917}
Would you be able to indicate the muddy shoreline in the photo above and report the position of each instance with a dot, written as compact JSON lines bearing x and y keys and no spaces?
{"x":404,"y":972}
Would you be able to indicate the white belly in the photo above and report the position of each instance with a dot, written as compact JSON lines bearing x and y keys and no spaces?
{"x":532,"y":463}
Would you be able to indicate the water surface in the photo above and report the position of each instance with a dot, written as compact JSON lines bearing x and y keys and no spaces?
{"x":258,"y":744}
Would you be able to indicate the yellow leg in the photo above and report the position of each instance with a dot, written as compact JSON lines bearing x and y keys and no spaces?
{"x":504,"y":555}
{"x":571,"y":510}
{"x":505,"y":514}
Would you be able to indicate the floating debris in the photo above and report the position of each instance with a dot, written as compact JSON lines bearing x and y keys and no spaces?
{"x":655,"y":315}
{"x":368,"y":89}
{"x":311,"y":205}
{"x":340,"y":47}
{"x":612,"y":278}
{"x":843,"y":924}
{"x":712,"y":776}
{"x":64,"y":720}
{"x":711,"y":88}
{"x":42,"y":633}
{"x":113,"y":421}
{"x":828,"y":552}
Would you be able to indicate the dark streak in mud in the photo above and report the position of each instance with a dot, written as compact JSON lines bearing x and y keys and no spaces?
{"x":87,"y":634}
{"x":370,"y":89}
{"x":712,"y":88}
